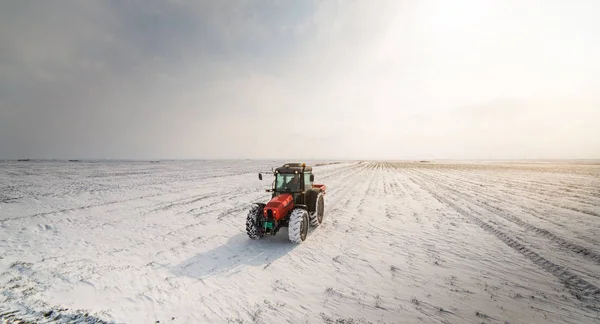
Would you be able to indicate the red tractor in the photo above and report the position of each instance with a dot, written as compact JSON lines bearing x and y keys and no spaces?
{"x":296,"y":203}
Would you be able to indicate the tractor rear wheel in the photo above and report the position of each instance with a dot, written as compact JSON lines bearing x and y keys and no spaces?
{"x":316,"y":217}
{"x":254,"y":224}
{"x":298,"y":225}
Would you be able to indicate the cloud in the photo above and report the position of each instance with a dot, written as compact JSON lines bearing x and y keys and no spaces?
{"x":201,"y":79}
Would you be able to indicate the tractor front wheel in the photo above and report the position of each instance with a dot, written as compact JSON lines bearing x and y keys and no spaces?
{"x":254,"y":224}
{"x":298,"y":225}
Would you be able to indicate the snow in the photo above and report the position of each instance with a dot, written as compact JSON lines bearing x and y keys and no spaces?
{"x":435,"y":242}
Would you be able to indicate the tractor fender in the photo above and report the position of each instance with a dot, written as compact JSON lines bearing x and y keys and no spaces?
{"x":301,"y":206}
{"x":311,"y":200}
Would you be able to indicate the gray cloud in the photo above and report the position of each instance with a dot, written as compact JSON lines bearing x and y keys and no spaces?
{"x":152,"y":79}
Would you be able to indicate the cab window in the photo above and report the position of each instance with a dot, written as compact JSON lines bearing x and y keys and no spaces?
{"x":307,"y":182}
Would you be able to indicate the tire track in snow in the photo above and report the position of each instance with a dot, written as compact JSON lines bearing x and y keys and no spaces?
{"x":352,"y":174}
{"x":224,"y":196}
{"x":367,"y":188}
{"x":563,"y":256}
{"x":573,"y":189}
{"x":513,"y":175}
{"x":531,"y":193}
{"x":66,"y":210}
{"x":580,"y":288}
{"x":551,"y":191}
{"x":339,"y":170}
{"x":164,"y":206}
{"x":339,"y":193}
{"x":357,"y":268}
{"x":397,"y":187}
{"x":428,"y":236}
{"x":183,"y":201}
{"x":563,"y":223}
{"x":498,"y":211}
{"x":112,"y":267}
{"x":370,"y":192}
{"x":342,"y":198}
{"x":348,"y":188}
{"x":119,"y":201}
{"x":220,"y":215}
{"x":393,"y":209}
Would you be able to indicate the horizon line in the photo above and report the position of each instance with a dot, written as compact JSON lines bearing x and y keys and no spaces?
{"x":294,"y":159}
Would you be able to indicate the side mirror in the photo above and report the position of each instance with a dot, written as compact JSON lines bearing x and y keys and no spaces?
{"x":260,"y":176}
{"x":312,"y":178}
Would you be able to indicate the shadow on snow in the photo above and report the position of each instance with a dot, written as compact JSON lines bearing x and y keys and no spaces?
{"x":238,"y":252}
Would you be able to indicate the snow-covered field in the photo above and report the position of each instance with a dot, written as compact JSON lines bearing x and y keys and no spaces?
{"x":135,"y":242}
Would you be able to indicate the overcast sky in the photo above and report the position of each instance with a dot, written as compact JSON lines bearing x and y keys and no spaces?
{"x":299,"y":79}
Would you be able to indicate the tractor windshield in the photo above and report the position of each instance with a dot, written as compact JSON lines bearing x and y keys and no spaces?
{"x":287,"y":182}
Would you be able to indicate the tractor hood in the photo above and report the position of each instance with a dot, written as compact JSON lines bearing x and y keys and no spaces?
{"x":280,"y":201}
{"x":279,"y":206}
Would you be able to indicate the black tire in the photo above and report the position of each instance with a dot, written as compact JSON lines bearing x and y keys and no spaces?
{"x":316,"y":217}
{"x":298,"y":225}
{"x":311,"y":201}
{"x":254,"y":224}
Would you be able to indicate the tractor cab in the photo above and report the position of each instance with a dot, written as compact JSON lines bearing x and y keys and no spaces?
{"x":292,"y":178}
{"x":287,"y":182}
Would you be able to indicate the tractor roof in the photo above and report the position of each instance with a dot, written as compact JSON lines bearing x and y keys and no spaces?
{"x":293,"y":168}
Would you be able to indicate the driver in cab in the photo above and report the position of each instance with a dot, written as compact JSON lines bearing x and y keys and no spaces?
{"x":294,"y":183}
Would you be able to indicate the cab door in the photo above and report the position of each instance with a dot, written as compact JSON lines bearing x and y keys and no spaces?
{"x":307,"y":184}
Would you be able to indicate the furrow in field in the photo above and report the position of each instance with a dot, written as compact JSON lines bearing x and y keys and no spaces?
{"x":553,"y":196}
{"x":348,"y":205}
{"x":583,"y":204}
{"x":586,"y":185}
{"x":580,"y":288}
{"x":444,"y":245}
{"x":335,"y":221}
{"x":492,"y":174}
{"x":354,"y":260}
{"x":91,"y":206}
{"x":337,"y":197}
{"x":88,"y":187}
{"x":88,"y":220}
{"x":88,"y":181}
{"x":335,"y":185}
{"x":341,"y":199}
{"x":337,"y":171}
{"x":397,"y":185}
{"x":491,"y":199}
{"x":545,"y":211}
{"x":556,"y":187}
{"x":61,"y":211}
{"x":356,"y":195}
{"x":562,"y":251}
{"x":422,"y":224}
{"x":212,"y":179}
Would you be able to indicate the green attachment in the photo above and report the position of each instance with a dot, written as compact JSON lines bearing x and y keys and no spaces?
{"x":269,"y":225}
